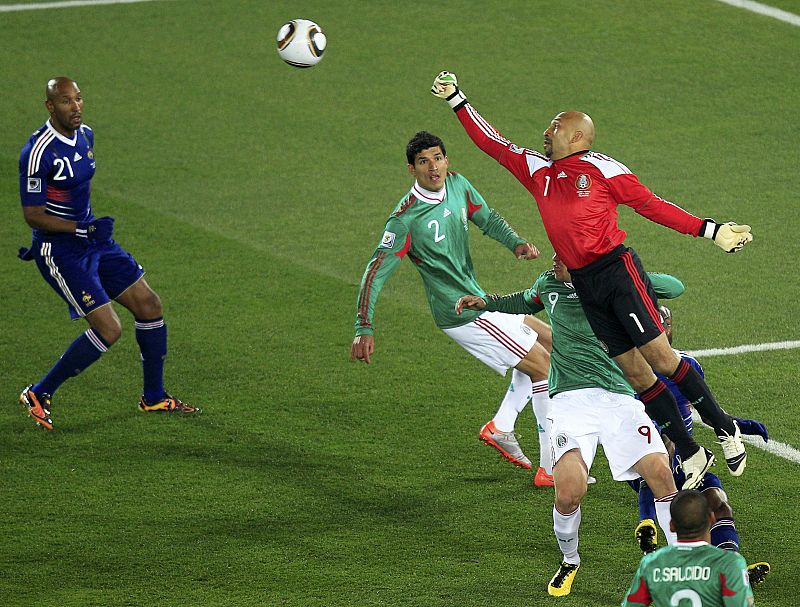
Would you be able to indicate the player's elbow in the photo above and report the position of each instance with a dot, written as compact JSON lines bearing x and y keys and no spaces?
{"x":34,"y":216}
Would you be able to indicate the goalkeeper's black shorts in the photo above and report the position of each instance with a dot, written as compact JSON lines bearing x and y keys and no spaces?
{"x":619,"y":300}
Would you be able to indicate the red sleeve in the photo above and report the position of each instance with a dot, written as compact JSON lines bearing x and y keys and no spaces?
{"x":488,"y":139}
{"x":641,"y":596}
{"x":628,"y":190}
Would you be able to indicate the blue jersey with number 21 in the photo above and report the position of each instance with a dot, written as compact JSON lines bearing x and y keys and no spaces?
{"x":56,"y":172}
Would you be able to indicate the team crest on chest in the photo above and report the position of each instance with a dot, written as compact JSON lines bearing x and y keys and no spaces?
{"x":583,"y":183}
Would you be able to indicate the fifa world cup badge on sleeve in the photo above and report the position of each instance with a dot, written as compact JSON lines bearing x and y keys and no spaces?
{"x":387,"y":241}
{"x":34,"y":185}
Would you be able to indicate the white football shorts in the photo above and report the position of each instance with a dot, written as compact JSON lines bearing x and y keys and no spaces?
{"x":582,"y":419}
{"x":496,"y":339}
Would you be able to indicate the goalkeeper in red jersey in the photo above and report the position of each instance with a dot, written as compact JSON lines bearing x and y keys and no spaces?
{"x":577,"y":192}
{"x":430,"y":226}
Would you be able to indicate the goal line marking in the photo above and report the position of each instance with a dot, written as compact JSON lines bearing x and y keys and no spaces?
{"x":783,"y":450}
{"x":764,"y":9}
{"x":745,"y":348}
{"x":13,"y":8}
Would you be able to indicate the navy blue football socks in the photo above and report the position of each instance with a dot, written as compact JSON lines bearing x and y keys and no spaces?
{"x":151,"y":335}
{"x":81,"y":353}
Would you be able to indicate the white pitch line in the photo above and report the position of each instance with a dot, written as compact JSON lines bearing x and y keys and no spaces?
{"x":13,"y":8}
{"x":743,"y":349}
{"x":783,"y":450}
{"x":764,"y":9}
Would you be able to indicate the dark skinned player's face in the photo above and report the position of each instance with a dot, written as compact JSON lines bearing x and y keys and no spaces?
{"x":66,"y":109}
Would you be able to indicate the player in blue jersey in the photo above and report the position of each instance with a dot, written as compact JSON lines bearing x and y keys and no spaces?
{"x":78,"y":257}
{"x":723,"y":532}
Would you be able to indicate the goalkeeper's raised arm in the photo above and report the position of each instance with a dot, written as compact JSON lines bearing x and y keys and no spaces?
{"x":577,"y":192}
{"x":483,"y":134}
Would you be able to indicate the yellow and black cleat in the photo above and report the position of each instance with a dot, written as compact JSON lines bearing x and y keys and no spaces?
{"x":647,"y":535}
{"x":561,"y":584}
{"x":758,"y":572}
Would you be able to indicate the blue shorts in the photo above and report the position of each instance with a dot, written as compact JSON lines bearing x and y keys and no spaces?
{"x":710,"y":480}
{"x":85,"y":275}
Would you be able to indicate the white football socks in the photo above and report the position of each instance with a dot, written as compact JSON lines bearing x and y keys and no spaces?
{"x":664,"y":517}
{"x":517,"y":396}
{"x":566,"y":529}
{"x":541,"y":408}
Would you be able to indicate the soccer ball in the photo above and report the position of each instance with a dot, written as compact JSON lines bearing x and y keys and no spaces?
{"x":301,"y":43}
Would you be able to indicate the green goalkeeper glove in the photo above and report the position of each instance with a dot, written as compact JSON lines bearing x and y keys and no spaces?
{"x":730,"y":237}
{"x":445,"y":86}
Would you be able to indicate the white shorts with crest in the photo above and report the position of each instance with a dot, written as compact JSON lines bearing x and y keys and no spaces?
{"x":584,"y":418}
{"x":496,"y":339}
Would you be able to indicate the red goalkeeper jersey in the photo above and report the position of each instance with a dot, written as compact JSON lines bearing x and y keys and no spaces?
{"x":578,"y":195}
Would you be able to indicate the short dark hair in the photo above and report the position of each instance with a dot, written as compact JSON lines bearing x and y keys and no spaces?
{"x":690,"y":514}
{"x":422,"y":141}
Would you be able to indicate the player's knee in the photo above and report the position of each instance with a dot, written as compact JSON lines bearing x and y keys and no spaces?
{"x":110,"y":331}
{"x":570,"y":491}
{"x":718,"y":503}
{"x":150,"y":306}
{"x":568,"y":501}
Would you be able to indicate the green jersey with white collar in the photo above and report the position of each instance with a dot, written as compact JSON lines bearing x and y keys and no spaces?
{"x":693,"y":574}
{"x":432,"y":229}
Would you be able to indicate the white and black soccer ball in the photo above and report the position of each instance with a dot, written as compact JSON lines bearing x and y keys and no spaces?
{"x":301,"y":43}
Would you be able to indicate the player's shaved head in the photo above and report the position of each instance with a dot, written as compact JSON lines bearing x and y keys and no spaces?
{"x":65,"y":104}
{"x":56,"y":86}
{"x":578,"y":123}
{"x":691,"y":515}
{"x":568,"y":132}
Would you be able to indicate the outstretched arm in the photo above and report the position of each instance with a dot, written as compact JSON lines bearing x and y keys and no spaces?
{"x":515,"y":303}
{"x":393,"y":247}
{"x":494,"y":226}
{"x":518,"y":160}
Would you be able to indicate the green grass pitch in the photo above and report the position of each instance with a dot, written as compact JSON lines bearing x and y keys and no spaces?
{"x":253,"y":193}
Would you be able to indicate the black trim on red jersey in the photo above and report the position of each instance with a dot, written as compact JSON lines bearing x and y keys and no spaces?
{"x":581,"y":153}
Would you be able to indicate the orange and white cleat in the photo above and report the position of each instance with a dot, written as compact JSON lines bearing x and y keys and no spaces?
{"x":542,"y":479}
{"x":38,"y":406}
{"x":506,"y":443}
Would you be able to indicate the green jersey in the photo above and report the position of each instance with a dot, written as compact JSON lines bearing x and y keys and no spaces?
{"x":579,"y":359}
{"x":691,"y":574}
{"x":432,"y":229}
